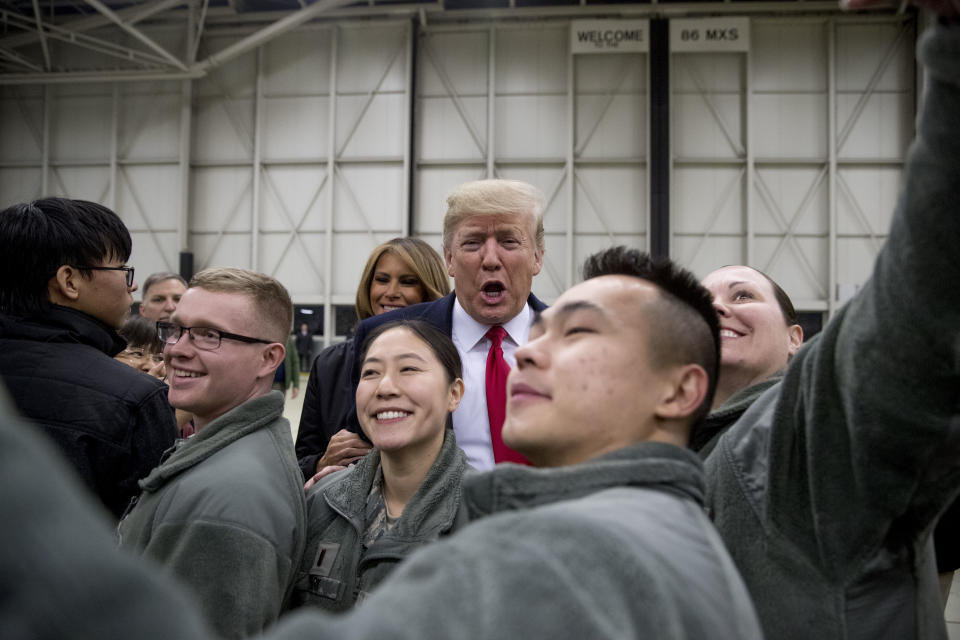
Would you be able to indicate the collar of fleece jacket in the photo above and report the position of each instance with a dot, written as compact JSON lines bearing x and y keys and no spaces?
{"x":652,"y":465}
{"x":428,"y":512}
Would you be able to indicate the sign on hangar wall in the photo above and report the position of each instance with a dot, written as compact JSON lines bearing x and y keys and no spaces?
{"x":686,"y":35}
{"x":709,"y":34}
{"x":609,"y":36}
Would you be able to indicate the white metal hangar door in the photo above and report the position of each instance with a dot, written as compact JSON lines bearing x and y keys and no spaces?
{"x":305,"y":141}
{"x":113,"y":143}
{"x":514,"y":101}
{"x":242,"y":166}
{"x":298,"y":157}
{"x":787,"y":154}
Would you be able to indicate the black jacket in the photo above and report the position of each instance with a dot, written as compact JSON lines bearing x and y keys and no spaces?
{"x":329,"y":405}
{"x":110,"y":421}
{"x":304,"y":344}
{"x":326,"y":405}
{"x":438,"y":313}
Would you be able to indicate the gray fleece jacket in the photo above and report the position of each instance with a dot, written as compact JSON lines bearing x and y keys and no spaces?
{"x":617,"y":547}
{"x":225,"y":514}
{"x":704,"y":440}
{"x":614,"y":548}
{"x":827,"y":488}
{"x":336,"y":568}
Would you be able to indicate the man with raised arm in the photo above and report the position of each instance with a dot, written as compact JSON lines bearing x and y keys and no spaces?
{"x":525,"y":569}
{"x":828,"y":487}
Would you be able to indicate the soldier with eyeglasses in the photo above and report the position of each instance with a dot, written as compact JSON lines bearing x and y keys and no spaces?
{"x":65,"y":289}
{"x":225,"y":512}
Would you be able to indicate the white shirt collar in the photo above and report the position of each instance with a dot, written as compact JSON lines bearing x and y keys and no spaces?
{"x":468,"y":332}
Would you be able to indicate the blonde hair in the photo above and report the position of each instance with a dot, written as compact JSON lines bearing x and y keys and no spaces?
{"x":496,"y":197}
{"x":272,"y":301}
{"x":419,"y":257}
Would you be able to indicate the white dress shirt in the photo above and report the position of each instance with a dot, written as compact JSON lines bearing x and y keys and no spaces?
{"x":470,"y":422}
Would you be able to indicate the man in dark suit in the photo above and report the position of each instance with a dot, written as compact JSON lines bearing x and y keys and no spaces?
{"x":493,"y":247}
{"x":305,"y":347}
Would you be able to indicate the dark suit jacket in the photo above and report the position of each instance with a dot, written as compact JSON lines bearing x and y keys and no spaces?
{"x":439,"y":313}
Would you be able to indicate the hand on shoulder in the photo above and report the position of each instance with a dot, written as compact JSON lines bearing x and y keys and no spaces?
{"x":323,"y":473}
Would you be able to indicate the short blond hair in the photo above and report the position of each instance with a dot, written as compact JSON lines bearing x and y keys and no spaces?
{"x":419,"y":257}
{"x":271,"y":299}
{"x":494,"y":197}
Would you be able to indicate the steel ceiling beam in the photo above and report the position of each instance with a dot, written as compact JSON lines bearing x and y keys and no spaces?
{"x":136,"y":33}
{"x":13,"y":56}
{"x":88,"y":42}
{"x":43,"y":41}
{"x":212,"y":18}
{"x":94,"y":76}
{"x":195,"y":37}
{"x":131,"y":16}
{"x":437,"y":13}
{"x":254,"y":40}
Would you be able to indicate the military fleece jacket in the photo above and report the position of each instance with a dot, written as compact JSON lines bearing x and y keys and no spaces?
{"x":827,"y":488}
{"x":61,"y":574}
{"x":225,"y":514}
{"x":708,"y":432}
{"x":111,"y":422}
{"x":617,"y":547}
{"x":337,"y":571}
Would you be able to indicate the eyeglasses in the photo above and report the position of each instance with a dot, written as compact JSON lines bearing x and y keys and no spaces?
{"x":202,"y":337}
{"x":128,"y":270}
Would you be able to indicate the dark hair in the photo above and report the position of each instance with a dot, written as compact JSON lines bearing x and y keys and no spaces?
{"x":155,"y":278}
{"x":685,"y":328}
{"x":786,"y":305}
{"x":37,"y":238}
{"x":440,"y":343}
{"x":139,"y":331}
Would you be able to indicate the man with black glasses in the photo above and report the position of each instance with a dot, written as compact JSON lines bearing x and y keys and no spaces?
{"x":225,"y":510}
{"x":64,"y":289}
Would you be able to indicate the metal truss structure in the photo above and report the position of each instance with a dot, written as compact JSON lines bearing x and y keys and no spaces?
{"x":50,"y":41}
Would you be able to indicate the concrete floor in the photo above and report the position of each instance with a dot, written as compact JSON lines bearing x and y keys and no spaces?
{"x":294,"y":406}
{"x":952,"y":613}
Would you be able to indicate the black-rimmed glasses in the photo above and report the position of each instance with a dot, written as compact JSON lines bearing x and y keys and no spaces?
{"x":127,"y":270}
{"x":202,"y":337}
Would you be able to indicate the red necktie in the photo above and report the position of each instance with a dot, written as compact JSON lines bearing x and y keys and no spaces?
{"x":496,"y":382}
